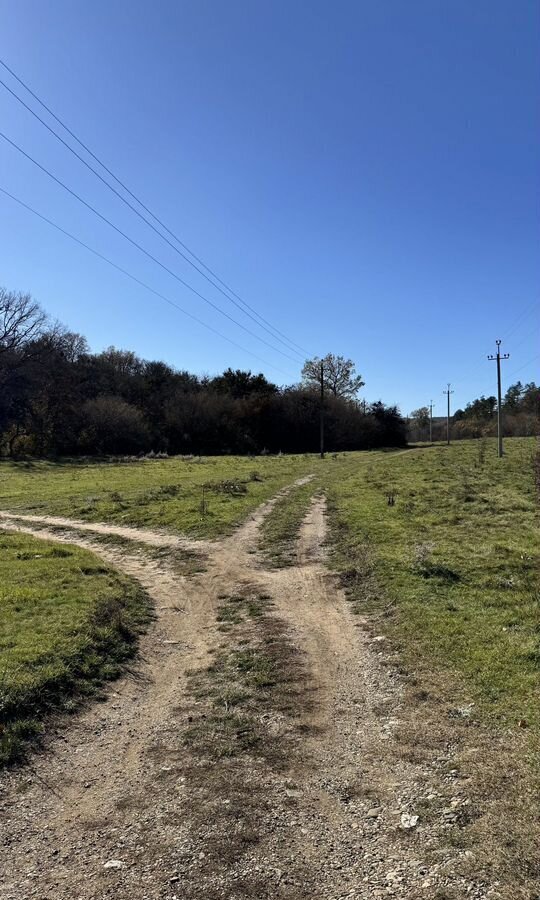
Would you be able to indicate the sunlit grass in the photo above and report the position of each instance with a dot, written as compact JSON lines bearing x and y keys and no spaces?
{"x":457,"y":560}
{"x":67,"y":622}
{"x":151,"y":493}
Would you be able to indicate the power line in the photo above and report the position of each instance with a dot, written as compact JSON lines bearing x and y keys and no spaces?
{"x":524,"y":314}
{"x":141,"y":248}
{"x":136,"y":280}
{"x":518,"y":321}
{"x":525,"y":339}
{"x":141,"y":216}
{"x":278,"y":335}
{"x":515,"y":372}
{"x":524,"y":366}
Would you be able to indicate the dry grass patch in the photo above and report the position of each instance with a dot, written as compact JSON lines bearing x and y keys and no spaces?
{"x":279,"y":532}
{"x":242,"y":733}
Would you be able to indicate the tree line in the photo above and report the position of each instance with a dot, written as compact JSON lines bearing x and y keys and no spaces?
{"x":520,"y":409}
{"x":59,"y":399}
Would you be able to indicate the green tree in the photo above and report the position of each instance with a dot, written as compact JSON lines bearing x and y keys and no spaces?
{"x":242,"y":384}
{"x":420,"y":416}
{"x":339,"y":375}
{"x":512,"y":397}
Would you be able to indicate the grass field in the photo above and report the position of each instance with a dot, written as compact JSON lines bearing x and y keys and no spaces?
{"x":279,"y":530}
{"x":68,"y":622}
{"x":438,"y":546}
{"x":153,"y":493}
{"x":453,"y":565}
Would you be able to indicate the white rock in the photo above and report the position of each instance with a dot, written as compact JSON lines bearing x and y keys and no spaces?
{"x":408,"y":821}
{"x":114,"y":864}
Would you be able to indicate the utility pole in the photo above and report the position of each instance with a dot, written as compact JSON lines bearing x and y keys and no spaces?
{"x":431,"y":421}
{"x":322,"y":410}
{"x":448,"y":392}
{"x":498,"y":358}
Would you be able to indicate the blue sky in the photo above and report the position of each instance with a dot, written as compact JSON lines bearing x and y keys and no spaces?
{"x":365,"y":174}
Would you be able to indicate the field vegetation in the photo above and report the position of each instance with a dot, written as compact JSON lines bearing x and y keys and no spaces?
{"x":443,"y":540}
{"x":437,"y":548}
{"x":279,"y":530}
{"x":441,"y":546}
{"x":167,"y":493}
{"x":68,"y":623}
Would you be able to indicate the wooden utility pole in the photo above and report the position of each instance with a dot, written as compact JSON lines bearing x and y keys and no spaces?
{"x":322,"y":411}
{"x":448,"y":392}
{"x":498,"y":358}
{"x":431,"y":421}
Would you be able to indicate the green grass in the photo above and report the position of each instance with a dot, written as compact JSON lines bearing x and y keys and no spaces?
{"x":279,"y":531}
{"x":453,"y":566}
{"x":68,"y":622}
{"x":152,"y":493}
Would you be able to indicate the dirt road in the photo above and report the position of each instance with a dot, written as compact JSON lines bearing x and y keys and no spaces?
{"x":131,"y":799}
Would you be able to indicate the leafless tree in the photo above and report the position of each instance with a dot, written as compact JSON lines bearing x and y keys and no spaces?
{"x":339,"y":375}
{"x":70,"y":344}
{"x":21,"y":320}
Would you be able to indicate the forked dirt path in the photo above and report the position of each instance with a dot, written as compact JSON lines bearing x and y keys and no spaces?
{"x":111,"y":810}
{"x":145,"y":535}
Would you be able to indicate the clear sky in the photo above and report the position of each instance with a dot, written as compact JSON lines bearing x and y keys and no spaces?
{"x":366,"y":174}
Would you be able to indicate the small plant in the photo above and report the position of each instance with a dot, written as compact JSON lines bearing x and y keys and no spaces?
{"x":60,"y":553}
{"x":203,"y":507}
{"x":231,"y":487}
{"x":422,"y":556}
{"x":169,"y":490}
{"x":427,"y":567}
{"x":482,"y":452}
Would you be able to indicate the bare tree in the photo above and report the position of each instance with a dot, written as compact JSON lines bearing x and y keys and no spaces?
{"x":70,"y":344}
{"x":339,"y":375}
{"x":21,"y":320}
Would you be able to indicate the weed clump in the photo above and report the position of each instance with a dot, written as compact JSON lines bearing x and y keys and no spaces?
{"x":425,"y":566}
{"x":229,"y":486}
